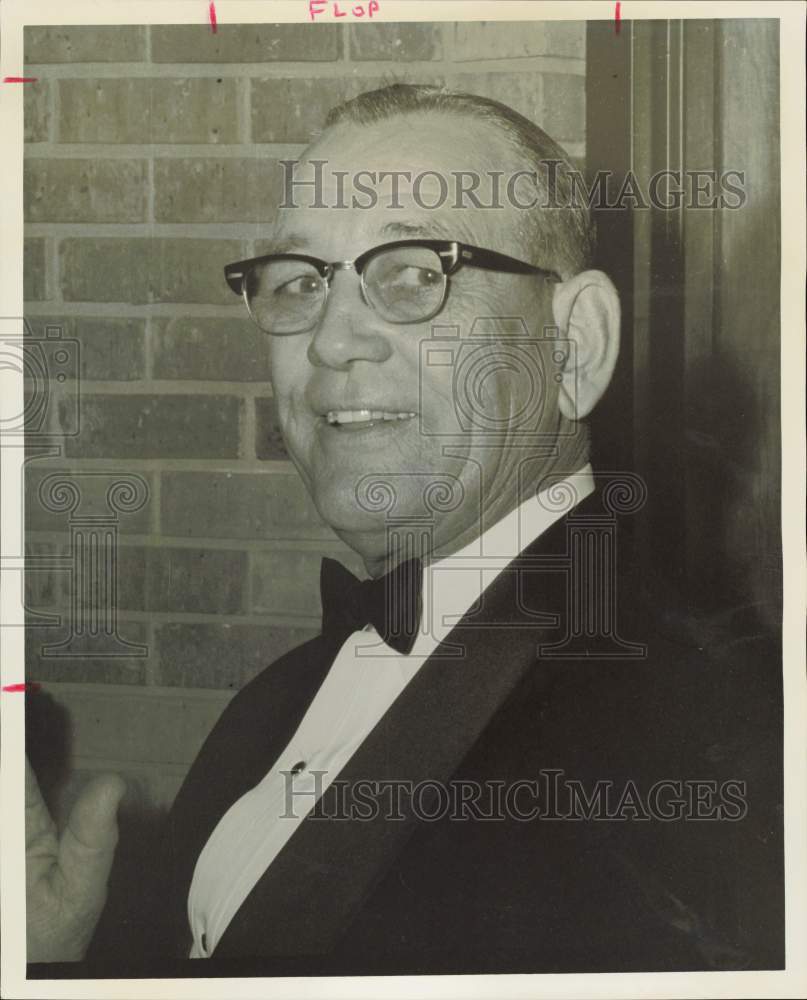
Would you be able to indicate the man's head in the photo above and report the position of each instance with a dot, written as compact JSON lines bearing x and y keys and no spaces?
{"x":459,"y":400}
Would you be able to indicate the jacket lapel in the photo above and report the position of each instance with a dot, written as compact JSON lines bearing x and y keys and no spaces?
{"x":249,"y":736}
{"x":317,"y":883}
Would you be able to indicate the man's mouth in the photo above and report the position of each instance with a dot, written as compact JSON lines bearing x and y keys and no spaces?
{"x":357,"y":419}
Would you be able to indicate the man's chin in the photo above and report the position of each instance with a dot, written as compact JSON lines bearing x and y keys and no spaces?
{"x":342,"y":511}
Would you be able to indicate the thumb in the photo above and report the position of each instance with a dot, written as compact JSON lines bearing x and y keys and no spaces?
{"x":88,"y":843}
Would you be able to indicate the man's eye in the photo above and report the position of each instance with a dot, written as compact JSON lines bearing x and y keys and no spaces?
{"x":304,"y":284}
{"x":416,"y":277}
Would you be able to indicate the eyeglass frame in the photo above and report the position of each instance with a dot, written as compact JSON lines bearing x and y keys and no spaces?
{"x":453,"y":256}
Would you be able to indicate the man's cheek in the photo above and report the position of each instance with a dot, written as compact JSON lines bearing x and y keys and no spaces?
{"x":478,"y":299}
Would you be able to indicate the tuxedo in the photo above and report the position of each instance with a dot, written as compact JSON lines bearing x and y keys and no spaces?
{"x":628,"y":891}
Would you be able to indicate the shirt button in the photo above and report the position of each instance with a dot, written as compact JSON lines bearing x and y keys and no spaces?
{"x":298,"y":767}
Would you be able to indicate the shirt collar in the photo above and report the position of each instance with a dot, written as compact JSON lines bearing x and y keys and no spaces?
{"x":453,"y":585}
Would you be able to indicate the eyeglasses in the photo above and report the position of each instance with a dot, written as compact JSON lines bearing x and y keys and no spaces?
{"x":405,"y":282}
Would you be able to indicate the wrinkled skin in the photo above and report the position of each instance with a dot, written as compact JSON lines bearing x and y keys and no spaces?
{"x":354,"y":359}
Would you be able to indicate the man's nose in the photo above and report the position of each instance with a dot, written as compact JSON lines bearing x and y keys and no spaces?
{"x":348,"y":329}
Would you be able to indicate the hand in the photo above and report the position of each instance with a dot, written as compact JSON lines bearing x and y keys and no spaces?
{"x":66,"y":880}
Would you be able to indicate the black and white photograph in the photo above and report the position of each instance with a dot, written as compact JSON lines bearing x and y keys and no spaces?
{"x":449,"y":623}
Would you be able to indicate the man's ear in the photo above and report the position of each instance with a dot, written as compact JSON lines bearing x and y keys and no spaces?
{"x":586,"y":311}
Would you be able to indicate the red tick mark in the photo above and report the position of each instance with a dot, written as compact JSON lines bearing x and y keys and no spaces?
{"x":19,"y":79}
{"x":212,"y":11}
{"x":30,"y":686}
{"x":617,"y":17}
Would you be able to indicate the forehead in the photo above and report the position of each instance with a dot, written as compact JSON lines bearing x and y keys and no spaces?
{"x":402,"y":177}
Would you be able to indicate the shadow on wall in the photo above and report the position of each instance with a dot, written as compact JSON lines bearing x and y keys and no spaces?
{"x":48,"y":744}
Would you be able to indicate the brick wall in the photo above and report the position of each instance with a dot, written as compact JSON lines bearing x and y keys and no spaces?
{"x":150,"y":162}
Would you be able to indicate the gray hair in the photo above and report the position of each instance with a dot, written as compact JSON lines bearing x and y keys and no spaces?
{"x":561,"y":229}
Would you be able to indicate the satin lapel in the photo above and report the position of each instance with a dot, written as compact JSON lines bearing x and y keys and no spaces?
{"x":309,"y":894}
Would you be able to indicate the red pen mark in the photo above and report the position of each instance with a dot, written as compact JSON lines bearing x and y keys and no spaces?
{"x":30,"y":686}
{"x":617,"y":17}
{"x":212,"y":11}
{"x":20,"y":79}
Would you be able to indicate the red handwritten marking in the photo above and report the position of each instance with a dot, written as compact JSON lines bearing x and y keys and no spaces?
{"x":617,"y":17}
{"x":213,"y":23}
{"x":20,"y":79}
{"x":331,"y":8}
{"x":30,"y":686}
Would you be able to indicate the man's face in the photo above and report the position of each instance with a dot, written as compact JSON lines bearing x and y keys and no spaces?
{"x":354,"y":360}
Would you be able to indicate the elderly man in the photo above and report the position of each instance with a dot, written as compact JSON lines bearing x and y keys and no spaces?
{"x":425,"y":786}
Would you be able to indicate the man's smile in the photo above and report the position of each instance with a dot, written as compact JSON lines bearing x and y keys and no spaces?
{"x":362,"y":418}
{"x":365,"y":421}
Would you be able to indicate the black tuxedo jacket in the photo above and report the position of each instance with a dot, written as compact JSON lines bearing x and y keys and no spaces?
{"x":465,"y":894}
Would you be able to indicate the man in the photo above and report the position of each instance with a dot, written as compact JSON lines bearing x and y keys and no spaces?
{"x":430,"y":367}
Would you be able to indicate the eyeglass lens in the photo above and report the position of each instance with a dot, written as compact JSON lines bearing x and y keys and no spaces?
{"x":403,"y":285}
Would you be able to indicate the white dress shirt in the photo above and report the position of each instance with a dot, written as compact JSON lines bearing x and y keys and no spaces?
{"x":365,"y":679}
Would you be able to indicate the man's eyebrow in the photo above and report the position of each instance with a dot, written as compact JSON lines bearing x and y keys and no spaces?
{"x":284,"y":244}
{"x":417,"y":230}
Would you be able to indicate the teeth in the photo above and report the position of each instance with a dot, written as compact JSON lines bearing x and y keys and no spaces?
{"x":335,"y":417}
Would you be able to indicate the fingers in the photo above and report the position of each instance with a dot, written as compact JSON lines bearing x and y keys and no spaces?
{"x":66,"y":882}
{"x":88,"y":843}
{"x":93,"y":820}
{"x":40,"y":830}
{"x":38,"y":821}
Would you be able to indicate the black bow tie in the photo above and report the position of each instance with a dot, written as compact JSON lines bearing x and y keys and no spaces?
{"x":391,"y":604}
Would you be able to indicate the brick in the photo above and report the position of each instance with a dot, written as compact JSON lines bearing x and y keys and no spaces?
{"x":518,"y":39}
{"x":132,"y":581}
{"x":566,"y":39}
{"x":85,"y":190}
{"x":564,"y":107}
{"x":396,"y":42}
{"x":195,"y":110}
{"x":286,"y":582}
{"x":232,"y":349}
{"x":186,"y":580}
{"x":140,"y":426}
{"x":221,"y":656}
{"x":268,"y":438}
{"x":198,"y":109}
{"x":111,"y":349}
{"x":499,"y":39}
{"x":104,"y":110}
{"x":137,"y":725}
{"x":45,"y":575}
{"x":33,"y":269}
{"x":200,"y":581}
{"x":130,"y":578}
{"x":86,"y":43}
{"x":217,"y":190}
{"x":245,"y":43}
{"x":92,"y":490}
{"x":239,"y":505}
{"x":36,"y":111}
{"x":110,"y":269}
{"x":87,"y":670}
{"x":108,"y":348}
{"x":292,"y":110}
